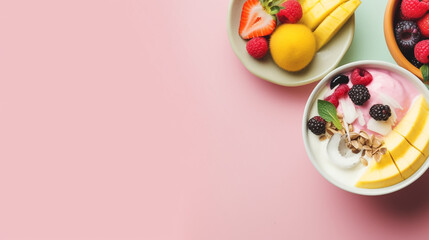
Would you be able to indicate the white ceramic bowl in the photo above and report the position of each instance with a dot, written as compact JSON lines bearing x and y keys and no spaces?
{"x":312,"y":100}
{"x":325,"y":60}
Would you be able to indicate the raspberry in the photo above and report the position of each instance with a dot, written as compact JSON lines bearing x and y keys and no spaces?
{"x":317,"y":125}
{"x":292,"y":12}
{"x":423,"y":24}
{"x":333,"y":99}
{"x":380,"y":112}
{"x":359,"y":94}
{"x":421,"y":51}
{"x":341,"y":90}
{"x":339,"y":79}
{"x":414,"y":9}
{"x":361,"y":76}
{"x":257,"y":47}
{"x":407,"y":35}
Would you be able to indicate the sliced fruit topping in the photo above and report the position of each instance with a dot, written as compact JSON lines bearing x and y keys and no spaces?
{"x":380,"y":112}
{"x":359,"y":94}
{"x":257,"y":47}
{"x":361,"y":76}
{"x":349,"y":110}
{"x":421,"y":51}
{"x":414,"y":9}
{"x":381,"y":127}
{"x":317,"y":125}
{"x":407,"y":35}
{"x":339,"y":79}
{"x":257,"y":18}
{"x":319,"y":12}
{"x":291,"y":13}
{"x":333,"y":23}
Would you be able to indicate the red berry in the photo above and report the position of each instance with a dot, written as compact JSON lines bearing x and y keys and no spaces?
{"x":423,"y":24}
{"x":332,"y":99}
{"x":414,"y":9}
{"x":361,"y":77}
{"x":341,"y":90}
{"x":421,"y":51}
{"x":257,"y":47}
{"x":292,"y":12}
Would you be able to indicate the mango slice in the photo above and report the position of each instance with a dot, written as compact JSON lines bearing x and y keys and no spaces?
{"x":332,"y":23}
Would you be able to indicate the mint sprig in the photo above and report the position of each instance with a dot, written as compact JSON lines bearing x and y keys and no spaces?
{"x":328,"y":112}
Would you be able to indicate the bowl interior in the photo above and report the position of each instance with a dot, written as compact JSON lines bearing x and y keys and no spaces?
{"x":312,"y":100}
{"x":389,"y":18}
{"x":324,"y":61}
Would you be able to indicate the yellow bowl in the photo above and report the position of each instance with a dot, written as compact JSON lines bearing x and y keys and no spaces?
{"x":389,"y":17}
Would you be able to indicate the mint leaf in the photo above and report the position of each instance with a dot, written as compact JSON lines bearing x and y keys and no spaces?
{"x":328,"y":112}
{"x":425,"y":72}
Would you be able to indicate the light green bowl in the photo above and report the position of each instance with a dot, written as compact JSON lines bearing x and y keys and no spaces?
{"x":325,"y":60}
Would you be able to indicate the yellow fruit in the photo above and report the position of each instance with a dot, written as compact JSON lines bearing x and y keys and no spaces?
{"x":306,"y":5}
{"x":313,"y":17}
{"x":382,"y":174}
{"x":414,"y":126}
{"x":332,"y":23}
{"x":292,"y":46}
{"x":406,"y":157}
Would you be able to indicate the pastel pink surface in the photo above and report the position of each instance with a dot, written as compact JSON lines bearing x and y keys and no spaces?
{"x":127,"y":119}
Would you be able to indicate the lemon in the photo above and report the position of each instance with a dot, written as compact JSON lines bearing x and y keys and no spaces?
{"x":292,"y":46}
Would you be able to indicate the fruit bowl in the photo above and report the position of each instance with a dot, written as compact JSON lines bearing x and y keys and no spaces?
{"x":325,"y":60}
{"x":348,"y":179}
{"x":400,"y":59}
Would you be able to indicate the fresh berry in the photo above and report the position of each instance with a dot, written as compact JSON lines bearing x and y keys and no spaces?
{"x":291,"y":13}
{"x":317,"y":125}
{"x":341,"y":90}
{"x":414,"y":61}
{"x":421,"y":51}
{"x":423,"y":24}
{"x":414,"y":9}
{"x":257,"y":47}
{"x":333,"y":99}
{"x":359,"y":94}
{"x":407,"y":35}
{"x":257,"y":19}
{"x":401,"y":15}
{"x":339,"y":79}
{"x":361,"y":77}
{"x":380,"y":112}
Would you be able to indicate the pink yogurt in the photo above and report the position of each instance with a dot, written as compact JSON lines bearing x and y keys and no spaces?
{"x":391,"y":84}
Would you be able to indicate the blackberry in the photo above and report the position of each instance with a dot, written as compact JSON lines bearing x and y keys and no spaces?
{"x":339,"y":79}
{"x":407,"y":35}
{"x":415,"y":62}
{"x":359,"y":94}
{"x":380,"y":112}
{"x":317,"y":125}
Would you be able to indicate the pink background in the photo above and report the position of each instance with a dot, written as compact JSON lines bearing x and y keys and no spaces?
{"x":126,"y":119}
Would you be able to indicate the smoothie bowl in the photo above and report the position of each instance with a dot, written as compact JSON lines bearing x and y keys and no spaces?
{"x":366,"y":127}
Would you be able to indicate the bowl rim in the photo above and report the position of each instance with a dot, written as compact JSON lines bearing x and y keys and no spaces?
{"x":292,"y":84}
{"x":376,"y":64}
{"x":389,"y":37}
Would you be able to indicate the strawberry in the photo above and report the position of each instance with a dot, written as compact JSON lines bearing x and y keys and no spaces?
{"x":258,"y":18}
